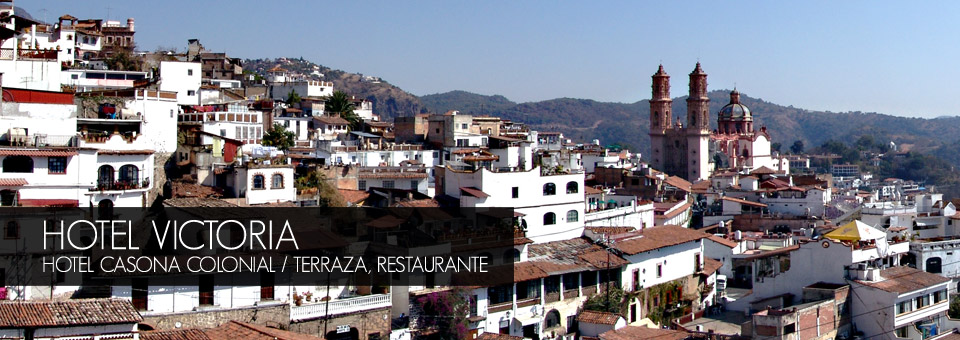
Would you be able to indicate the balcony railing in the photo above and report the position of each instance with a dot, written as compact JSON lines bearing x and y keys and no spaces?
{"x":122,"y":185}
{"x":28,"y":54}
{"x":342,"y":306}
{"x":40,"y":140}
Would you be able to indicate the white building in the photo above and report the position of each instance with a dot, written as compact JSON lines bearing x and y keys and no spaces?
{"x":552,"y":205}
{"x":182,"y":78}
{"x":279,"y":90}
{"x":234,"y":121}
{"x":899,"y":302}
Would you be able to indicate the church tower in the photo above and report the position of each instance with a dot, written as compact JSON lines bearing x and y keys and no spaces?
{"x":661,"y":119}
{"x":698,"y":127}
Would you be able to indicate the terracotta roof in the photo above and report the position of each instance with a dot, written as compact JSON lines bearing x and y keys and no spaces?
{"x":465,"y":151}
{"x":187,"y":202}
{"x":392,"y":174}
{"x":353,"y":196}
{"x":904,"y":279}
{"x":589,"y":190}
{"x":763,"y":170}
{"x":234,"y":330}
{"x":13,"y":182}
{"x":125,"y":152}
{"x":331,"y":120}
{"x":640,"y":332}
{"x":37,"y":153}
{"x":723,"y":241}
{"x":175,"y":334}
{"x":657,"y":237}
{"x":598,"y":318}
{"x":34,"y":314}
{"x":471,"y":191}
{"x":610,"y":230}
{"x":424,"y":203}
{"x":783,"y":250}
{"x":701,"y":186}
{"x":386,"y":222}
{"x":678,"y":183}
{"x":497,"y":336}
{"x":743,"y":201}
{"x":572,"y":255}
{"x":711,"y":266}
{"x":676,"y":211}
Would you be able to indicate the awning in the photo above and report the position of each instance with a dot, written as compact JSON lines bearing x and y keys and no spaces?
{"x":13,"y":182}
{"x":471,"y":191}
{"x":856,"y":231}
{"x":37,"y":153}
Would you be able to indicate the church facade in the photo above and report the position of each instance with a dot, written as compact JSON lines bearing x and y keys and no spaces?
{"x":691,"y":150}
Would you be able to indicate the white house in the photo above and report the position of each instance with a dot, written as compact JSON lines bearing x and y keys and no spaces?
{"x":183,"y":78}
{"x":899,"y":302}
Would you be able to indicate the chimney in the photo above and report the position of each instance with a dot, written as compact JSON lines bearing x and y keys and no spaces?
{"x":130,"y":24}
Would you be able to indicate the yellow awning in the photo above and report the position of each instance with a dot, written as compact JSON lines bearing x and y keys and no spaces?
{"x":856,"y":231}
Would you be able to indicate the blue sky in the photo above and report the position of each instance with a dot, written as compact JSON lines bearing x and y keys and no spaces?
{"x":889,"y":57}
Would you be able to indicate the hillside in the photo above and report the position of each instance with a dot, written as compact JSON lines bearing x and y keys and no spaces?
{"x":388,"y":100}
{"x":583,"y":119}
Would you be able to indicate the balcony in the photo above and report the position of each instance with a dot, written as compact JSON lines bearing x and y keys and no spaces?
{"x":28,"y":54}
{"x":122,"y":185}
{"x":340,"y":306}
{"x":40,"y":140}
{"x":871,"y":252}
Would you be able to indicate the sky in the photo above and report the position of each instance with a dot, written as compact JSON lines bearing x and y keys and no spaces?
{"x":880,"y":56}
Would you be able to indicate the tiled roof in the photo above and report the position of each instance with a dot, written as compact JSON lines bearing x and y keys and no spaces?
{"x":904,"y":280}
{"x":598,"y":318}
{"x":572,"y":255}
{"x":175,"y":334}
{"x":743,"y":201}
{"x":185,"y":202}
{"x":424,"y":203}
{"x":331,"y":120}
{"x":592,"y":191}
{"x":763,"y":170}
{"x":711,"y":266}
{"x":678,"y":183}
{"x":37,"y":153}
{"x":497,"y":336}
{"x":640,"y":332}
{"x":234,"y":330}
{"x":471,"y":191}
{"x":657,"y":237}
{"x":610,"y":230}
{"x":77,"y":312}
{"x":13,"y":182}
{"x":723,"y":241}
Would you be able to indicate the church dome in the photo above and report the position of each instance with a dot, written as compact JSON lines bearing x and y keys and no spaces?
{"x":734,"y":110}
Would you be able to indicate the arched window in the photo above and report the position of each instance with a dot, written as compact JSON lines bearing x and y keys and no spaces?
{"x":105,"y":177}
{"x":549,"y":189}
{"x":258,"y":182}
{"x":129,"y":174}
{"x":553,"y":319}
{"x":277,"y":182}
{"x":105,"y":209}
{"x":549,"y":218}
{"x":18,"y":164}
{"x":573,"y":216}
{"x":746,"y":153}
{"x":573,"y":187}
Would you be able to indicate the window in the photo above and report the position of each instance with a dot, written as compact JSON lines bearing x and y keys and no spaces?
{"x":258,"y":183}
{"x":901,"y":332}
{"x":191,"y":92}
{"x":138,"y":291}
{"x":790,"y":329}
{"x":549,"y":218}
{"x":636,"y":279}
{"x":388,"y":184}
{"x":12,"y":230}
{"x":190,"y":72}
{"x":105,"y":177}
{"x":923,"y":301}
{"x":74,"y":76}
{"x":515,"y":192}
{"x":659,"y":270}
{"x":573,"y":188}
{"x":20,"y":164}
{"x":206,"y":290}
{"x":940,"y":296}
{"x":414,"y":185}
{"x":129,"y":174}
{"x":500,"y":294}
{"x":549,"y":189}
{"x":362,"y":185}
{"x":57,"y":165}
{"x":277,"y":182}
{"x":904,"y":307}
{"x":696,"y":263}
{"x":572,"y":216}
{"x":463,"y":126}
{"x":553,"y":319}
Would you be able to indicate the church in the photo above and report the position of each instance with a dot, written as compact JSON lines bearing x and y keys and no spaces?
{"x":692,"y":150}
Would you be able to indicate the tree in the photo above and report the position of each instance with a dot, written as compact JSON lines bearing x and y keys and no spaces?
{"x":797,"y":147}
{"x":445,"y":312}
{"x":954,"y":311}
{"x":123,"y":59}
{"x":293,"y":98}
{"x":327,"y":192}
{"x":339,"y":104}
{"x":775,"y":147}
{"x":606,"y":302}
{"x":279,"y":137}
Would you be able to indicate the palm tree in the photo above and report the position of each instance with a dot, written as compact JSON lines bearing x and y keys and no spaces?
{"x":343,"y":106}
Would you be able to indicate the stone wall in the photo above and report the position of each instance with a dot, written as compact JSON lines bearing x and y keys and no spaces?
{"x":361,"y":324}
{"x":272,"y":315}
{"x":343,"y":177}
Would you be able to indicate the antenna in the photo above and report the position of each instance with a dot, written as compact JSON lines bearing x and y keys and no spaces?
{"x":108,"y":12}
